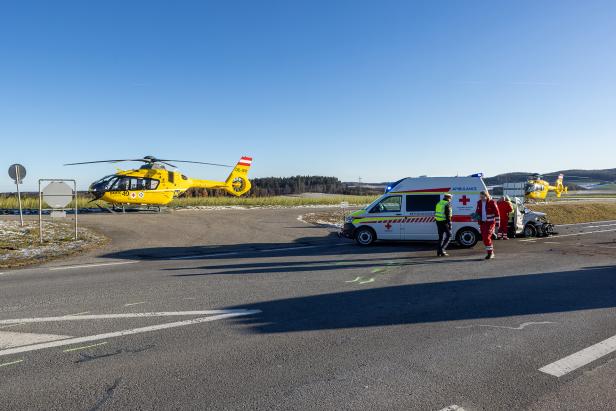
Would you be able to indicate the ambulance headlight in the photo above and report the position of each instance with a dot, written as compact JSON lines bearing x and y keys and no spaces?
{"x":348,"y":219}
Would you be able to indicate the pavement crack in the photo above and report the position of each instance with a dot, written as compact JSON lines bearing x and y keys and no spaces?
{"x":86,"y":358}
{"x":107,"y":395}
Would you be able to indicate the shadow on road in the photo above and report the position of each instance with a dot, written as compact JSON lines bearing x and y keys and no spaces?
{"x":584,"y":289}
{"x":322,"y":246}
{"x":313,"y":265}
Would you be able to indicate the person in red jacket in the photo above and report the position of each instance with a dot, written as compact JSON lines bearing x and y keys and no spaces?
{"x":487,"y":214}
{"x":504,"y":208}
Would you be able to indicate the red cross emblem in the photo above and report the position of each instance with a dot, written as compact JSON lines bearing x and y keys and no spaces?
{"x":464,"y":199}
{"x":388,"y":225}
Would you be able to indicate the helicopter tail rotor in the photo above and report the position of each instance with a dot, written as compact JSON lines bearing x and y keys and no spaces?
{"x":238,"y":183}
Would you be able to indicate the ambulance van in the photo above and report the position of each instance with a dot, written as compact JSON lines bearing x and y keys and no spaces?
{"x":406,"y":211}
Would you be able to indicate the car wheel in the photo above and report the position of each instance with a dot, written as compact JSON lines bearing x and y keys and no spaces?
{"x":365,"y":236}
{"x":530,"y":230}
{"x":467,"y":237}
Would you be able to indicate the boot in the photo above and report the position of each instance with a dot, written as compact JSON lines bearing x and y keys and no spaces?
{"x":490,"y":256}
{"x":444,"y":254}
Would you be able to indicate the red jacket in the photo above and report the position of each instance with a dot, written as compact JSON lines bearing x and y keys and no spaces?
{"x":504,"y":208}
{"x":492,"y":215}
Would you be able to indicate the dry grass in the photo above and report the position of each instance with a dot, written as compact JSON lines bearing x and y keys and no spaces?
{"x":30,"y":202}
{"x":583,"y":212}
{"x":20,"y":246}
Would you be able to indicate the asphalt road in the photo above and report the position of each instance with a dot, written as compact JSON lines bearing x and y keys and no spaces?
{"x":257,"y":310}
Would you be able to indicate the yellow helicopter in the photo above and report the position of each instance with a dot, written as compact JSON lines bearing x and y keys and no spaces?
{"x":536,"y":188}
{"x":153,"y":184}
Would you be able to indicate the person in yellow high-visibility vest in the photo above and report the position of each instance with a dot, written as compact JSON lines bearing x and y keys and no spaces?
{"x":442,"y":215}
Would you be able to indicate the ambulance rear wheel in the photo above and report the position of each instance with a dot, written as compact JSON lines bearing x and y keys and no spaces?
{"x":365,"y":236}
{"x":467,"y":237}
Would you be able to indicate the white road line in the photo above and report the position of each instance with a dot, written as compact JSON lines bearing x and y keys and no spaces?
{"x":12,"y":339}
{"x":131,"y":304}
{"x":590,"y":222}
{"x":572,"y":234}
{"x":116,"y":316}
{"x":453,"y":407}
{"x":190,"y":257}
{"x":80,"y":340}
{"x":579,"y":359}
{"x":72,"y":267}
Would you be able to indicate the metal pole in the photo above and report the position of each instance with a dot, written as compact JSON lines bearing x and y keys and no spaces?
{"x":75,"y":191}
{"x":40,"y":214}
{"x":21,"y":214}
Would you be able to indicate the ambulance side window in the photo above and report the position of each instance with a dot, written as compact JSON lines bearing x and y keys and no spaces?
{"x":392,"y":204}
{"x":427,"y":202}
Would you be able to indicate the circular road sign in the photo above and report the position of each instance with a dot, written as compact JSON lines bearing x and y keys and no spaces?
{"x":15,"y":170}
{"x":57,"y":194}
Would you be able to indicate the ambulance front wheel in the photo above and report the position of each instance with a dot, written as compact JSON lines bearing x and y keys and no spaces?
{"x":467,"y":237}
{"x":365,"y":236}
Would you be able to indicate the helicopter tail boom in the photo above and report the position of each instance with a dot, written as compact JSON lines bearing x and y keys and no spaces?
{"x":236,"y":184}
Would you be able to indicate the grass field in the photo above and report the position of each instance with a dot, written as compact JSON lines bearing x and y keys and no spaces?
{"x":277,"y":201}
{"x":585,"y":212}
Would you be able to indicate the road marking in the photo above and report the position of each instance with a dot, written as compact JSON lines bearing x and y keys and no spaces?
{"x":131,"y":304}
{"x":598,"y":226}
{"x":569,"y":235}
{"x":367,"y":281}
{"x":590,"y":222}
{"x":117,"y":316}
{"x":85,"y":347}
{"x":82,"y":313}
{"x":581,"y":358}
{"x":190,"y":257}
{"x":72,"y":267}
{"x":519,"y":327}
{"x":551,"y":242}
{"x":355,"y":280}
{"x":12,"y":339}
{"x":453,"y":408}
{"x":133,"y":331}
{"x":6,"y":364}
{"x":378,"y":270}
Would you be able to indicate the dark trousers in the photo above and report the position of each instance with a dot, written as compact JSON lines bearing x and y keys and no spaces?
{"x":444,"y":235}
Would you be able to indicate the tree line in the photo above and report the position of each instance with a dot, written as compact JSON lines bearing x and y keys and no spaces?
{"x":276,"y":186}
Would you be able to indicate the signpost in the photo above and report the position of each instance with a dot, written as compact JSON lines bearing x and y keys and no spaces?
{"x":57,"y":194}
{"x":17,"y":172}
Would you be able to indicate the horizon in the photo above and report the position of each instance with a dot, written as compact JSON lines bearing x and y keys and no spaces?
{"x":346,"y":89}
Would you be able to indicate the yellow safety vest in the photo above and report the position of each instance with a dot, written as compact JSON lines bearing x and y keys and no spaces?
{"x":439,"y":213}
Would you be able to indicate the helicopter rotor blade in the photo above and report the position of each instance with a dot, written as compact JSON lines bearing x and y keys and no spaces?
{"x":196,"y":162}
{"x":101,"y":161}
{"x":169,"y":164}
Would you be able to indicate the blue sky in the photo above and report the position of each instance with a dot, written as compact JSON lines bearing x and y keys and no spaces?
{"x":377,"y":89}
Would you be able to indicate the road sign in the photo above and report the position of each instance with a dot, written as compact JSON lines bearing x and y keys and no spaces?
{"x":57,"y":194}
{"x":17,"y":172}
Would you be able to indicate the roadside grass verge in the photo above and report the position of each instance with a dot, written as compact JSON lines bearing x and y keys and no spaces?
{"x":274,"y":201}
{"x":20,"y":246}
{"x":568,"y":213}
{"x":32,"y":202}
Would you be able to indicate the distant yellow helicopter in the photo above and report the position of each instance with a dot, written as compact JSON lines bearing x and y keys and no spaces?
{"x":537,"y":188}
{"x":153,"y":184}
